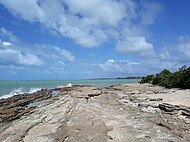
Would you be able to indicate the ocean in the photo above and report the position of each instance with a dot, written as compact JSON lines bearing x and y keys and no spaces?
{"x":10,"y":88}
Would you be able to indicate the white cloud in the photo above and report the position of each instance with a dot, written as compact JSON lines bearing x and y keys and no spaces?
{"x":126,"y":68}
{"x":65,"y":54}
{"x":110,"y":61}
{"x":16,"y":57}
{"x":136,"y":46}
{"x":4,"y":43}
{"x":108,"y":12}
{"x":85,"y":29}
{"x":35,"y":58}
{"x":88,"y":23}
{"x":133,"y":38}
{"x":42,"y":59}
{"x":123,"y":66}
{"x":21,"y":8}
{"x":56,"y":54}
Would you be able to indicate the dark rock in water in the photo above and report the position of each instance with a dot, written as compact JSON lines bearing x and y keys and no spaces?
{"x":16,"y":106}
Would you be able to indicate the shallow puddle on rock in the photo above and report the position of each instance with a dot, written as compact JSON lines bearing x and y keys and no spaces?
{"x":55,"y":93}
{"x":38,"y":103}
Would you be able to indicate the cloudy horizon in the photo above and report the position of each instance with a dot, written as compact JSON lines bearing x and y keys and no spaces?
{"x":59,"y":39}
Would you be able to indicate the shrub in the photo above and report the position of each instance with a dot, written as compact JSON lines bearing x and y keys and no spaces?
{"x":147,"y":79}
{"x":160,"y":78}
{"x":178,"y":79}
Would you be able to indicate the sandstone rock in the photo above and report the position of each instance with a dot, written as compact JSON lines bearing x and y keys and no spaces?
{"x":186,"y":113}
{"x":94,"y":93}
{"x":16,"y":106}
{"x":167,"y":107}
{"x":106,"y":116}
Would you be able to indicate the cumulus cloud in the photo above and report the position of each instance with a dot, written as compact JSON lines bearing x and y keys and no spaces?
{"x":50,"y":59}
{"x":108,"y":12}
{"x":88,"y":23}
{"x":136,"y":46}
{"x":78,"y":20}
{"x":146,"y":66}
{"x":16,"y":57}
{"x":124,"y":66}
{"x":36,"y":58}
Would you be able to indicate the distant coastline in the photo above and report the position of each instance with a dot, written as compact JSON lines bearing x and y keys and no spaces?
{"x":135,"y":77}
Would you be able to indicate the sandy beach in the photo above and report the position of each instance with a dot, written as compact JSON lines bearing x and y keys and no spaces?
{"x":118,"y":113}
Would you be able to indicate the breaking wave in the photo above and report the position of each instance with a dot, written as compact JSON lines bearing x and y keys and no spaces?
{"x":20,"y":91}
{"x":23,"y":90}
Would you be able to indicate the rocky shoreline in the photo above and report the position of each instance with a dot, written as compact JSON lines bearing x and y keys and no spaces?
{"x":118,"y":113}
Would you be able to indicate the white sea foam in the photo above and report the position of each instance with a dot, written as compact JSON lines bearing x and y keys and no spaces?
{"x":33,"y":90}
{"x":20,"y":91}
{"x":59,"y":87}
{"x":69,"y":85}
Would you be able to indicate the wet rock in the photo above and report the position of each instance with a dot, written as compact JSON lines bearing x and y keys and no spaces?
{"x":14,"y":107}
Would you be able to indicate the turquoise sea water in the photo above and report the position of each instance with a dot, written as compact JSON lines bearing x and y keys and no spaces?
{"x":9,"y":88}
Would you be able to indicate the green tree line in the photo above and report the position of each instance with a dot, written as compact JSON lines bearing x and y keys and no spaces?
{"x":178,"y":79}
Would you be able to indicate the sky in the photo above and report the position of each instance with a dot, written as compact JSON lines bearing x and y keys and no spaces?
{"x":77,"y":39}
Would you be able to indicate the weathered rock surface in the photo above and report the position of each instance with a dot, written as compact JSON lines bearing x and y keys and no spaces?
{"x":16,"y":106}
{"x":120,"y":113}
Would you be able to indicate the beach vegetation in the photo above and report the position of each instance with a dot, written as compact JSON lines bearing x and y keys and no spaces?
{"x":147,"y":79}
{"x":177,"y":79}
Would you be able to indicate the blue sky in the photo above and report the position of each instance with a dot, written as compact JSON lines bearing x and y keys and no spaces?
{"x":61,"y":39}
